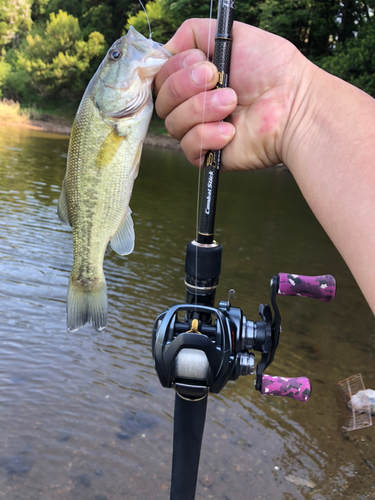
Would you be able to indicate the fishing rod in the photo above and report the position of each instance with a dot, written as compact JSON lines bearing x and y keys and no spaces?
{"x":197,"y":347}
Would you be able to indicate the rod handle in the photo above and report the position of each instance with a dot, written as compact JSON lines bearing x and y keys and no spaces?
{"x":316,"y":287}
{"x":298,"y":388}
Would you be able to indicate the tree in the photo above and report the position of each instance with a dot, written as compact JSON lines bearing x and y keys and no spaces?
{"x":162,"y":22}
{"x":107,"y":15}
{"x":311,"y":25}
{"x":354,"y":61}
{"x":56,"y":62}
{"x":15,"y":21}
{"x":99,"y":18}
{"x":316,"y":27}
{"x":167,"y":15}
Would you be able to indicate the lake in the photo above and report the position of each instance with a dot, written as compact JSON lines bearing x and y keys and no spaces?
{"x":83,"y":415}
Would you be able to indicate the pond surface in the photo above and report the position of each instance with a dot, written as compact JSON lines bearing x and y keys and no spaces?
{"x":83,"y":415}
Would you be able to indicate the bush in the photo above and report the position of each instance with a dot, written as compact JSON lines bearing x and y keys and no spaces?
{"x":354,"y":60}
{"x":55,"y":62}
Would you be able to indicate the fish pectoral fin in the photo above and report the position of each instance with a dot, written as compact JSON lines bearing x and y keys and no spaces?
{"x":62,"y":206}
{"x":123,"y":241}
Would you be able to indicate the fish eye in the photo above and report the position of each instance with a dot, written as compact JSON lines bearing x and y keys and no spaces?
{"x":114,"y":54}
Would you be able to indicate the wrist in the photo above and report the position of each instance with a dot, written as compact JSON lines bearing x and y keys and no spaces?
{"x":310,"y":109}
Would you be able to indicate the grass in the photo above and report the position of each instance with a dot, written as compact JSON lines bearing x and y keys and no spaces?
{"x":13,"y":112}
{"x":10,"y":111}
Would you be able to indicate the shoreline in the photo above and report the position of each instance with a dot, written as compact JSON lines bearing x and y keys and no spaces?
{"x":58,"y":126}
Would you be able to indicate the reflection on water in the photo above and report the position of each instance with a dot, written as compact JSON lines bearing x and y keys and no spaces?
{"x":84,"y":416}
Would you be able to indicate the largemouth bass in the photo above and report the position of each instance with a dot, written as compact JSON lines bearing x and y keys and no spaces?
{"x":103,"y":159}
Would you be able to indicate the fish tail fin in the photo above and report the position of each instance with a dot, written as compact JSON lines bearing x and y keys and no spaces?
{"x":87,"y":304}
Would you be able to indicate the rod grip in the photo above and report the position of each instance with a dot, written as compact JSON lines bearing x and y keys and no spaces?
{"x":316,"y":287}
{"x":298,"y":388}
{"x":221,"y":59}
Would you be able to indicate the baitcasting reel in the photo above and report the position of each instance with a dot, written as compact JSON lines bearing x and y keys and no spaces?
{"x":198,"y":348}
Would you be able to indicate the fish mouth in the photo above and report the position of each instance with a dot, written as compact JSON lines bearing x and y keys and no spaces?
{"x":132,"y":107}
{"x":166,"y":52}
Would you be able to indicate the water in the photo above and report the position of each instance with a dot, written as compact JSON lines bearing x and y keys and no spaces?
{"x":83,"y":415}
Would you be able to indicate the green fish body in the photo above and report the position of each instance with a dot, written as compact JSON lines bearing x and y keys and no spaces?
{"x":103,"y":159}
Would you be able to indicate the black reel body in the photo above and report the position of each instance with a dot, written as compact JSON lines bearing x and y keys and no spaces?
{"x":225,"y":341}
{"x":171,"y":338}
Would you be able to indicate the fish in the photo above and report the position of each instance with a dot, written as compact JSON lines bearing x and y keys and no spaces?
{"x":102,"y":164}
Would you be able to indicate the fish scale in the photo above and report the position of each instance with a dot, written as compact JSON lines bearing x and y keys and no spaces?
{"x":103,"y":160}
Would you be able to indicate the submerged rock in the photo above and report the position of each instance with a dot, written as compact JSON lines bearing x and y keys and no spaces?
{"x":18,"y":464}
{"x":359,"y":400}
{"x":83,"y":480}
{"x":133,"y":423}
{"x":300,"y":481}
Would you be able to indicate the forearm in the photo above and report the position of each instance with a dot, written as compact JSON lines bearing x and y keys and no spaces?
{"x":331,"y":153}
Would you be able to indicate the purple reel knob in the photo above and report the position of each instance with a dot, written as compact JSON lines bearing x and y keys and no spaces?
{"x":316,"y":287}
{"x":298,"y":388}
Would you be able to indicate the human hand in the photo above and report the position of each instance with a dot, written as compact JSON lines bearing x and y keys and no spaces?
{"x":268,"y":81}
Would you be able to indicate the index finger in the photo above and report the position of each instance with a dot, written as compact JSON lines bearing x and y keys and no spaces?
{"x":194,"y":34}
{"x":175,"y":63}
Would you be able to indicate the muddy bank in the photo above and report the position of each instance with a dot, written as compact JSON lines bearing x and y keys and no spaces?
{"x":162,"y":141}
{"x":55,"y":126}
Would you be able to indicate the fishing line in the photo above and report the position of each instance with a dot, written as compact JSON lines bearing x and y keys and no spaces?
{"x":148,"y":20}
{"x":201,"y":149}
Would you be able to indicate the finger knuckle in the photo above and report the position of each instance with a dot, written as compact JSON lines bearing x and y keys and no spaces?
{"x":175,"y":90}
{"x":195,"y":106}
{"x":172,"y":126}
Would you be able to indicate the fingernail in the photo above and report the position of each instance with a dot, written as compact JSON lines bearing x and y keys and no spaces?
{"x":224,"y":97}
{"x":226,"y":129}
{"x":203,"y":74}
{"x":193,"y":58}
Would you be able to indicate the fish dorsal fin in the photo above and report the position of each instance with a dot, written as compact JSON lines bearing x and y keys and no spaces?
{"x":123,"y":241}
{"x":62,"y":206}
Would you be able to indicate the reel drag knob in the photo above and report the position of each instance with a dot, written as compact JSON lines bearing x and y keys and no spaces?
{"x":298,"y":388}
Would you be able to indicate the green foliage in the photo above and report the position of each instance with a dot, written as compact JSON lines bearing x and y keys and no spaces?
{"x":15,"y":21}
{"x":55,"y":63}
{"x":5,"y":70}
{"x":248,"y":11}
{"x":39,"y":10}
{"x":107,"y":16}
{"x":187,"y":9}
{"x":163,"y":24}
{"x":51,"y":48}
{"x":167,"y":15}
{"x":310,"y":25}
{"x":354,"y":60}
{"x":99,"y":18}
{"x":71,"y":7}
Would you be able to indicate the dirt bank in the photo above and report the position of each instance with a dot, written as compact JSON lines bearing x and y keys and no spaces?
{"x":61,"y":126}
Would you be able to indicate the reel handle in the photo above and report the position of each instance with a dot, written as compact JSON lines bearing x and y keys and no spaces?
{"x":298,"y":388}
{"x":316,"y":287}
